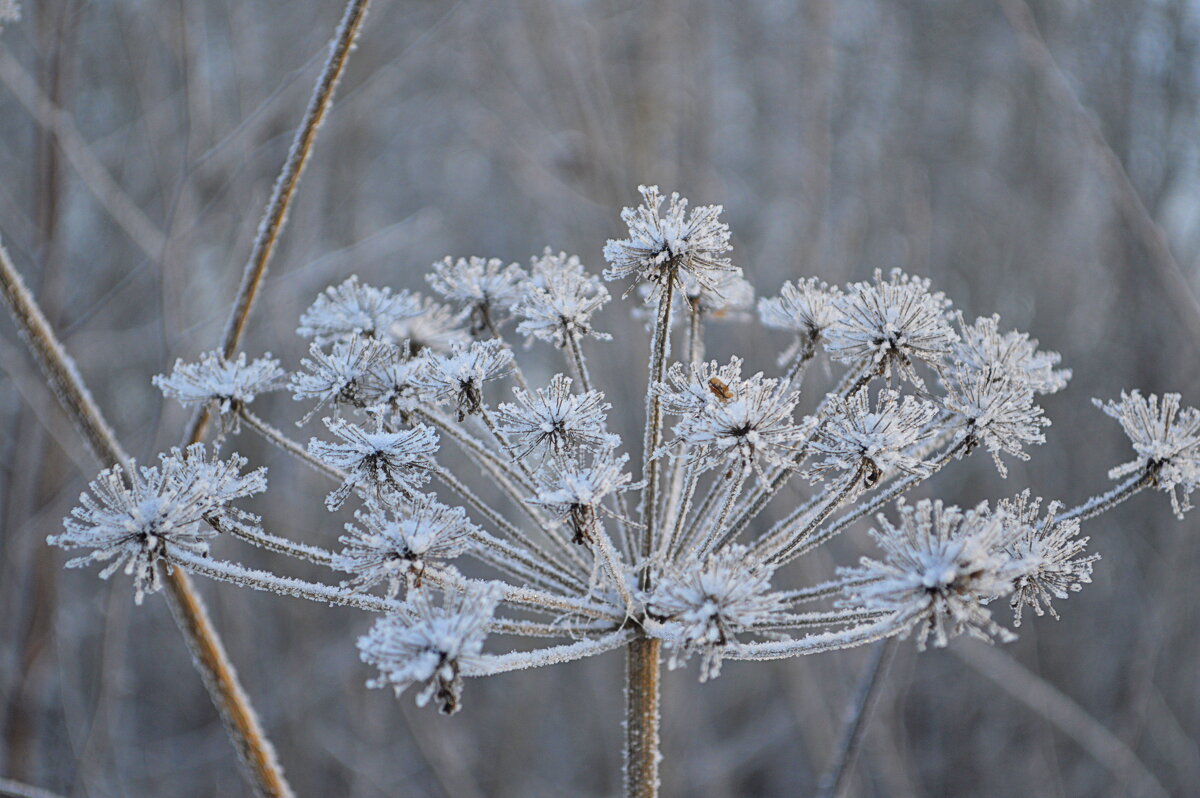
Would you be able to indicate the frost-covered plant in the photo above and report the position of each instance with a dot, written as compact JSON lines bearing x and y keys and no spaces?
{"x":597,"y":542}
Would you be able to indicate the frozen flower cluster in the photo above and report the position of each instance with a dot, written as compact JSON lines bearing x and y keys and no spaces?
{"x":446,"y":445}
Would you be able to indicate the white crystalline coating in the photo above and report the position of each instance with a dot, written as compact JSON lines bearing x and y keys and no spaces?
{"x":890,"y":324}
{"x":459,"y":375}
{"x":437,"y":328}
{"x":477,"y":281}
{"x":574,"y":483}
{"x":689,"y":389}
{"x":338,"y":376}
{"x":225,"y":384}
{"x":382,"y":464}
{"x":877,"y":440}
{"x":1013,"y":354}
{"x":660,"y":245}
{"x":807,"y":308}
{"x":1046,"y":555}
{"x":997,"y":412}
{"x":701,"y":605}
{"x":394,"y":384}
{"x":553,"y":421}
{"x":353,"y":309}
{"x":132,"y":515}
{"x":558,"y":300}
{"x":430,"y":645}
{"x":394,"y":544}
{"x":1166,"y":437}
{"x":941,"y":566}
{"x":730,"y":299}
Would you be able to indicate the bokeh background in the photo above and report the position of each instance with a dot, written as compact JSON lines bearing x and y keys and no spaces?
{"x":1050,"y":177}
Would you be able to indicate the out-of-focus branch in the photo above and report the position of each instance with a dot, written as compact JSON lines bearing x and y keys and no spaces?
{"x":1177,"y":288}
{"x":241,"y":722}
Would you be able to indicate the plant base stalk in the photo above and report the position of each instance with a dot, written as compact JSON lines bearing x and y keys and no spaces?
{"x":642,"y":678}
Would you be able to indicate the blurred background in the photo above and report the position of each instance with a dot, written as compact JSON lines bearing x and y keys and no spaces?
{"x":1053,"y":181}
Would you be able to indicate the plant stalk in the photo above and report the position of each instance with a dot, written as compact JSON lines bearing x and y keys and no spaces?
{"x":642,"y":678}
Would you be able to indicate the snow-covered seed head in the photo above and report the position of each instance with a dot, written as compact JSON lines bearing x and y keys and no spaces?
{"x":482,"y":285}
{"x":393,"y":545}
{"x":1046,"y":555}
{"x":878,"y":441}
{"x":352,"y":309}
{"x":459,"y":376}
{"x":554,"y":421}
{"x":437,"y":328}
{"x":394,"y":385}
{"x":688,"y":390}
{"x":663,"y":248}
{"x":995,"y":412}
{"x":223,"y":385}
{"x":807,"y":308}
{"x":338,"y":376}
{"x":701,"y":605}
{"x":941,"y":566}
{"x":1166,"y":438}
{"x":1013,"y":354}
{"x":558,"y":300}
{"x":131,"y":516}
{"x":384,"y":465}
{"x":573,"y":489}
{"x":432,"y":646}
{"x":890,"y":324}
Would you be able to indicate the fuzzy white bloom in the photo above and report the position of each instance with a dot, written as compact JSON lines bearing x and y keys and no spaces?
{"x":438,"y":328}
{"x":702,"y":605}
{"x":136,"y":513}
{"x":1046,"y":555}
{"x":574,"y":488}
{"x":665,"y":247}
{"x":459,"y":376}
{"x":392,"y":385}
{"x":807,"y":308}
{"x":430,"y":645}
{"x":10,"y":11}
{"x":352,"y":309}
{"x":877,"y":441}
{"x":996,"y":412}
{"x":393,"y":545}
{"x":890,"y":324}
{"x":483,"y":285}
{"x":1166,"y":438}
{"x":689,"y":389}
{"x":555,"y":421}
{"x":338,"y":376}
{"x":941,"y":566}
{"x":223,"y":385}
{"x":559,"y":300}
{"x":386,"y":465}
{"x":1013,"y":354}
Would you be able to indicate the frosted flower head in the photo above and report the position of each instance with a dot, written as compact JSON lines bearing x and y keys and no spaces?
{"x":574,"y":488}
{"x":689,"y":389}
{"x":1166,"y":439}
{"x":223,"y":385}
{"x":941,"y":566}
{"x":1046,"y":555}
{"x":700,"y":606}
{"x":338,"y":376}
{"x":351,"y":309}
{"x":131,"y":515}
{"x":437,"y":328}
{"x":876,"y":441}
{"x":558,"y":300}
{"x":459,"y":376}
{"x":385,"y":465}
{"x":556,"y":422}
{"x":1013,"y":354}
{"x":483,"y":285}
{"x":662,"y":248}
{"x":890,"y":325}
{"x":396,"y":545}
{"x":807,"y":308}
{"x":996,"y":412}
{"x":728,"y":297}
{"x":430,"y":645}
{"x":393,"y":385}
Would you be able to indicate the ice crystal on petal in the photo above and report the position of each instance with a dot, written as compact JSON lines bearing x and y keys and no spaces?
{"x":559,"y":300}
{"x":384,"y":464}
{"x":436,"y":327}
{"x":1013,"y":354}
{"x":1046,"y":555}
{"x":574,"y":489}
{"x":556,"y":421}
{"x":996,"y":412}
{"x":353,"y":309}
{"x":224,"y":385}
{"x":132,"y":515}
{"x":666,"y":247}
{"x":890,"y":324}
{"x":338,"y":376}
{"x":856,"y":437}
{"x":702,"y":605}
{"x":807,"y":308}
{"x":484,"y":285}
{"x":459,"y":376}
{"x":941,"y":566}
{"x":391,"y":545}
{"x":430,"y":645}
{"x":1166,"y":438}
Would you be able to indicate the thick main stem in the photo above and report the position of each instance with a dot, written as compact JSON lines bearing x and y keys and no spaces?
{"x":642,"y":676}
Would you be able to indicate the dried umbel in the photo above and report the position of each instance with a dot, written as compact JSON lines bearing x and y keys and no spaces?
{"x":585,"y":551}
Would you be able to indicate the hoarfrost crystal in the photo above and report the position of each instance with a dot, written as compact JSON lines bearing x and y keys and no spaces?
{"x":1166,"y":438}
